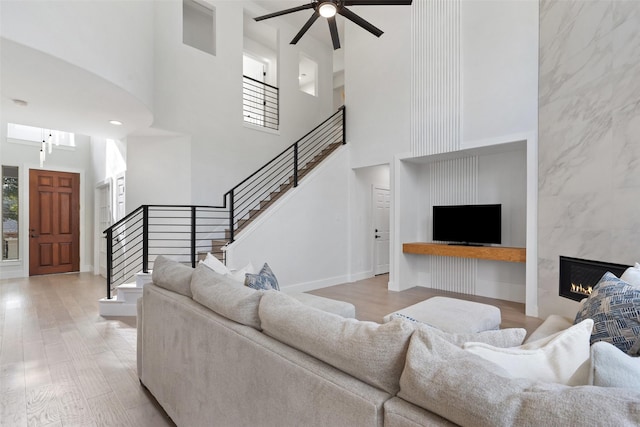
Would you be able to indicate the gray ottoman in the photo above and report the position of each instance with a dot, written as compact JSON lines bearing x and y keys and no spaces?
{"x":452,"y":315}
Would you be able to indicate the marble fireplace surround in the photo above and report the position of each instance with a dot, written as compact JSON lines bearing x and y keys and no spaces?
{"x":578,"y":276}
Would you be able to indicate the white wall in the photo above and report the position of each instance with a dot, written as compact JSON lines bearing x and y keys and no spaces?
{"x":26,"y":156}
{"x":159,"y":176}
{"x":113,"y":39}
{"x":499,"y":42}
{"x":377,"y":85}
{"x":303,"y":237}
{"x":361,"y":214}
{"x":200,"y":95}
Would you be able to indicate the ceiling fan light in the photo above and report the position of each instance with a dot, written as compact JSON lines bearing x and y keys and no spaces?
{"x":327,"y":9}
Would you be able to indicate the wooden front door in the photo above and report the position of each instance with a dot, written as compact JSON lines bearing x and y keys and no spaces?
{"x":54,"y":222}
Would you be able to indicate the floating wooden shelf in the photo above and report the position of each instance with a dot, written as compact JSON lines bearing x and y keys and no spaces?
{"x":496,"y":253}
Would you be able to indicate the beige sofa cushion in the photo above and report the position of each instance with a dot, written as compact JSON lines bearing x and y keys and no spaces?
{"x":226,"y":297}
{"x":172,"y":275}
{"x":468,"y":390}
{"x":509,"y":337}
{"x":369,"y":351}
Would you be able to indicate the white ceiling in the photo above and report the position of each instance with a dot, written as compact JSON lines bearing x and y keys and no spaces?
{"x":64,"y":97}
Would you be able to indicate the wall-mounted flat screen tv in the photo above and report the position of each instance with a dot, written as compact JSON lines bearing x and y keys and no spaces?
{"x":468,"y":224}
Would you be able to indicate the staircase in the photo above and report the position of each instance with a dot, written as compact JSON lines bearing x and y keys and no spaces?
{"x":188,"y":232}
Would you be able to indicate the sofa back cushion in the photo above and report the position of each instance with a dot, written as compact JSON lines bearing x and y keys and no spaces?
{"x":172,"y":275}
{"x":468,"y":390}
{"x":369,"y":351}
{"x":225,"y":296}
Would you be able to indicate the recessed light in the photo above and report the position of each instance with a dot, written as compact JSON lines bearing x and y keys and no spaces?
{"x":20,"y":102}
{"x":115,"y":122}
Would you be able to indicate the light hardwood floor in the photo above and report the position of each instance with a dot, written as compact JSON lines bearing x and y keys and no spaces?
{"x":61,"y":364}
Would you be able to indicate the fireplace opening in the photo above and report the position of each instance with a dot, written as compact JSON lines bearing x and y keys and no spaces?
{"x":578,"y":277}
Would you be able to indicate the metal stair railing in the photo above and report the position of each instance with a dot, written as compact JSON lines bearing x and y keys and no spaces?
{"x":186,"y":232}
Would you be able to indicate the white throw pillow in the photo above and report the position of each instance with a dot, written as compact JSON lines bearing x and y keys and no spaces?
{"x":215,"y":264}
{"x":632,"y":276}
{"x":561,"y":358}
{"x":239,"y":275}
{"x":610,"y":367}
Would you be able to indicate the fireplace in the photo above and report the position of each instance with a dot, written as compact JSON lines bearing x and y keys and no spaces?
{"x":578,"y":277}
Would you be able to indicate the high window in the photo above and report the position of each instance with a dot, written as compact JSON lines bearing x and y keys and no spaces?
{"x":308,"y":75}
{"x":36,"y":134}
{"x":198,"y":25}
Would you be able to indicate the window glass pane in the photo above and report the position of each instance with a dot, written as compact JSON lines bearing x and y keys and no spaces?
{"x":36,"y":134}
{"x":10,"y":212}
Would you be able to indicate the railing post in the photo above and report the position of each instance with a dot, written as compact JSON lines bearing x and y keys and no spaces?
{"x":344,"y":125}
{"x":295,"y":165}
{"x":193,"y":236}
{"x":231,"y":213}
{"x":109,"y":260}
{"x":145,"y":239}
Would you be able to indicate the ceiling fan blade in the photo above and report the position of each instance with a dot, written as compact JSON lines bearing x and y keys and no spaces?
{"x":305,"y":27}
{"x":333,"y":28}
{"x":360,"y":21}
{"x":377,"y":2}
{"x":286,"y":11}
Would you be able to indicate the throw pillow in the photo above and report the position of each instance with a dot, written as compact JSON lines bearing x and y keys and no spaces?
{"x":612,"y":368}
{"x":215,"y":264}
{"x":509,"y":337}
{"x":632,"y":275}
{"x":239,"y":275}
{"x":264,"y":280}
{"x":468,"y":390}
{"x":561,"y":358}
{"x":614,"y":307}
{"x":172,"y":275}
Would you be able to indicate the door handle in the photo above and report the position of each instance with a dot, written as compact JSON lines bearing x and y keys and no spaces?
{"x":33,"y":236}
{"x":377,"y":237}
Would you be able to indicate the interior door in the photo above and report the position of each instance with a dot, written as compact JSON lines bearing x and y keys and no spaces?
{"x":381,"y":209}
{"x":54,"y":222}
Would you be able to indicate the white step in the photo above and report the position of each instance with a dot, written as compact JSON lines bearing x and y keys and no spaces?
{"x":124,"y":303}
{"x":143,"y":278}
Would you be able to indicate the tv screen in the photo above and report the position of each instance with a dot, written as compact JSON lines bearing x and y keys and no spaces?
{"x":468,"y":223}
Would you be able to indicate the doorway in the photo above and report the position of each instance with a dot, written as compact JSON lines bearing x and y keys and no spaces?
{"x":104,"y":220}
{"x":381,"y":198}
{"x":54,"y":222}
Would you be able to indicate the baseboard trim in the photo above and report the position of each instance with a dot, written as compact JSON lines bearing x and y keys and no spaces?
{"x":316,"y":284}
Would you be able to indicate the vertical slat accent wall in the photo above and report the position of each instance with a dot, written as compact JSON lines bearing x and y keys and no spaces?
{"x":452,"y":182}
{"x":435,"y":79}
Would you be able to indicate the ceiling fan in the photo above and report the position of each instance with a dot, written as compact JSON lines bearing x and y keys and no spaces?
{"x":329,"y":8}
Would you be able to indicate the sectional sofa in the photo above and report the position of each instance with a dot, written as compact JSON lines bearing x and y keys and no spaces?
{"x":216,"y":353}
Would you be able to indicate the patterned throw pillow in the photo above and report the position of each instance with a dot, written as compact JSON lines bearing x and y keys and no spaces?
{"x":265,"y":279}
{"x":614,"y":307}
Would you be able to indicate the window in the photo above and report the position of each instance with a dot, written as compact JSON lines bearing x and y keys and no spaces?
{"x":10,"y":212}
{"x":198,"y":25}
{"x":36,"y":134}
{"x":308,"y":75}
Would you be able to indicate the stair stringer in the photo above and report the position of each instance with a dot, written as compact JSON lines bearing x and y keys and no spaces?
{"x":304,"y":235}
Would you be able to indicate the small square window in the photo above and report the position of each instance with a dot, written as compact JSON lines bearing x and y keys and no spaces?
{"x":198,"y":25}
{"x":308,"y":75}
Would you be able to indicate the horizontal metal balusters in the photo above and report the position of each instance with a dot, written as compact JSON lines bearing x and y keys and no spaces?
{"x":260,"y":103}
{"x":186,"y":233}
